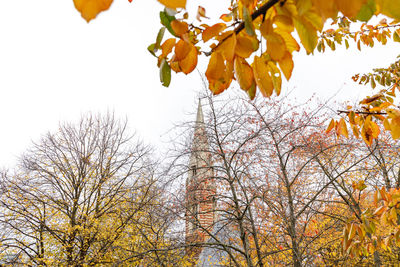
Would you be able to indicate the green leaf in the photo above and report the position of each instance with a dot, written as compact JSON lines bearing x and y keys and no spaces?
{"x":248,"y":22}
{"x":373,"y":84}
{"x":367,"y":11}
{"x":252,"y":91}
{"x":150,"y":48}
{"x":165,"y":73}
{"x":166,"y":21}
{"x":160,"y":36}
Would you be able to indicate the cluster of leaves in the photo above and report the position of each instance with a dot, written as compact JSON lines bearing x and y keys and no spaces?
{"x":377,"y":109}
{"x":379,"y":227}
{"x":235,"y":41}
{"x":366,"y":35}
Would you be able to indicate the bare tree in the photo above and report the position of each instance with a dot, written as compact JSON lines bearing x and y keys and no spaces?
{"x":84,"y":195}
{"x":272,"y":195}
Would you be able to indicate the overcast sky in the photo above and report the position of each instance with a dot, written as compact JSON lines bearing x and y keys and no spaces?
{"x":54,"y":67}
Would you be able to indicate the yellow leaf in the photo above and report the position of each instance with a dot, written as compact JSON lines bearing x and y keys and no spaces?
{"x":244,"y":46}
{"x":212,"y":31}
{"x":314,"y":19}
{"x":244,"y":73}
{"x":276,"y":46}
{"x":266,"y":28}
{"x":350,"y":8}
{"x":262,"y":77}
{"x":215,"y":67}
{"x":276,"y":77}
{"x":326,"y":9}
{"x":189,"y":63}
{"x":343,"y":128}
{"x":174,"y":4}
{"x":386,"y":124}
{"x":284,"y":22}
{"x":356,"y":132}
{"x":374,"y":129}
{"x":307,"y":33}
{"x":286,"y":64}
{"x":179,"y":27}
{"x":291,"y":43}
{"x":89,"y":9}
{"x":369,"y":131}
{"x":352,"y":231}
{"x":218,"y":86}
{"x":227,"y":46}
{"x":182,"y":49}
{"x":390,"y":8}
{"x":395,"y":127}
{"x":330,"y":126}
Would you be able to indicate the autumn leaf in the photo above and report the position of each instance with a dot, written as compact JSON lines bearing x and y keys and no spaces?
{"x":276,"y":46}
{"x":182,"y":49}
{"x":89,"y":9}
{"x":212,"y":31}
{"x":167,"y":47}
{"x":215,"y":67}
{"x":262,"y":77}
{"x":244,"y":46}
{"x":179,"y":27}
{"x":343,"y":128}
{"x":350,"y":8}
{"x":244,"y":73}
{"x":201,"y":13}
{"x":307,"y":33}
{"x":330,"y":126}
{"x":189,"y":63}
{"x":228,"y":45}
{"x":174,"y":4}
{"x":286,"y":64}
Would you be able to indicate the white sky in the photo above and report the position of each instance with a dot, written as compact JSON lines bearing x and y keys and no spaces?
{"x":55,"y":67}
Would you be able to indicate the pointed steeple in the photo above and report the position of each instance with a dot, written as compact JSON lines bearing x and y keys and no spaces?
{"x":199,"y":117}
{"x":200,"y":141}
{"x":200,"y":188}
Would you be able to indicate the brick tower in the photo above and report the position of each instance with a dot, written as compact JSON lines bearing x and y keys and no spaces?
{"x":200,"y":189}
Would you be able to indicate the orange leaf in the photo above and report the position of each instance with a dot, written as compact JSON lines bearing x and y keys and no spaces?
{"x":226,"y":17}
{"x":330,"y":126}
{"x":244,"y":46}
{"x":167,"y":46}
{"x":201,"y":13}
{"x":182,"y":49}
{"x":179,"y":27}
{"x":350,"y":8}
{"x":244,"y":73}
{"x":212,"y":31}
{"x":89,"y":9}
{"x":215,"y":67}
{"x":189,"y":63}
{"x":227,"y":47}
{"x":174,"y":4}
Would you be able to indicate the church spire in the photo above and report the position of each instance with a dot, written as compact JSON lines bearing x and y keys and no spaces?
{"x":199,"y":117}
{"x":200,"y":188}
{"x":200,"y":141}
